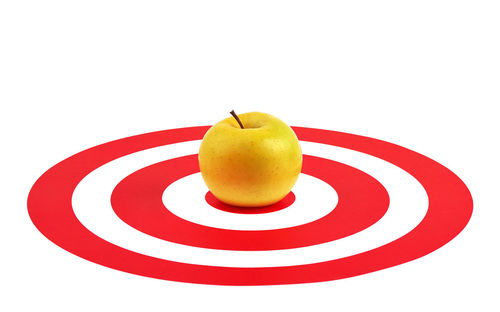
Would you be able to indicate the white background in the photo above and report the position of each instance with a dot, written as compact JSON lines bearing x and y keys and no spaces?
{"x":422,"y":74}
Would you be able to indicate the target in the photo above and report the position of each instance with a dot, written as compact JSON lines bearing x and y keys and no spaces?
{"x":139,"y":205}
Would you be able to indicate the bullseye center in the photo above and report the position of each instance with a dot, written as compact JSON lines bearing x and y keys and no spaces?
{"x":282,"y":204}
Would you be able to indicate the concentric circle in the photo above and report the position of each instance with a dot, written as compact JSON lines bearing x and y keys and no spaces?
{"x":92,"y":206}
{"x":50,"y":208}
{"x":362,"y":202}
{"x":282,"y":204}
{"x":319,"y":198}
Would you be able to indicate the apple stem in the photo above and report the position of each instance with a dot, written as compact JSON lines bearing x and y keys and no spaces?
{"x":237,"y":118}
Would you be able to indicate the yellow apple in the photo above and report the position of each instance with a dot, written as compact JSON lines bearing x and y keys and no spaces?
{"x":253,"y":164}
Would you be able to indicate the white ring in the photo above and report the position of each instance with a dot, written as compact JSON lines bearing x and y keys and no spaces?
{"x":91,"y":204}
{"x":318,"y":198}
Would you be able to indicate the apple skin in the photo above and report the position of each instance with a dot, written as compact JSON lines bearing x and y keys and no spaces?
{"x":251,"y":167}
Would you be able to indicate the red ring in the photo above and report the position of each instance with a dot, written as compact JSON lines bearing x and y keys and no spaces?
{"x":49,"y":207}
{"x":217,"y":204}
{"x":137,"y":200}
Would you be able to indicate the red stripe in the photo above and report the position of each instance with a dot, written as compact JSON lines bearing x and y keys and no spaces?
{"x":137,"y":200}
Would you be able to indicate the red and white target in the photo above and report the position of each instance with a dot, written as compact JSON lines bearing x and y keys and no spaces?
{"x":139,"y":205}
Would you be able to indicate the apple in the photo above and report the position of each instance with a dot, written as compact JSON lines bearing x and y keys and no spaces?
{"x":250,"y":160}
